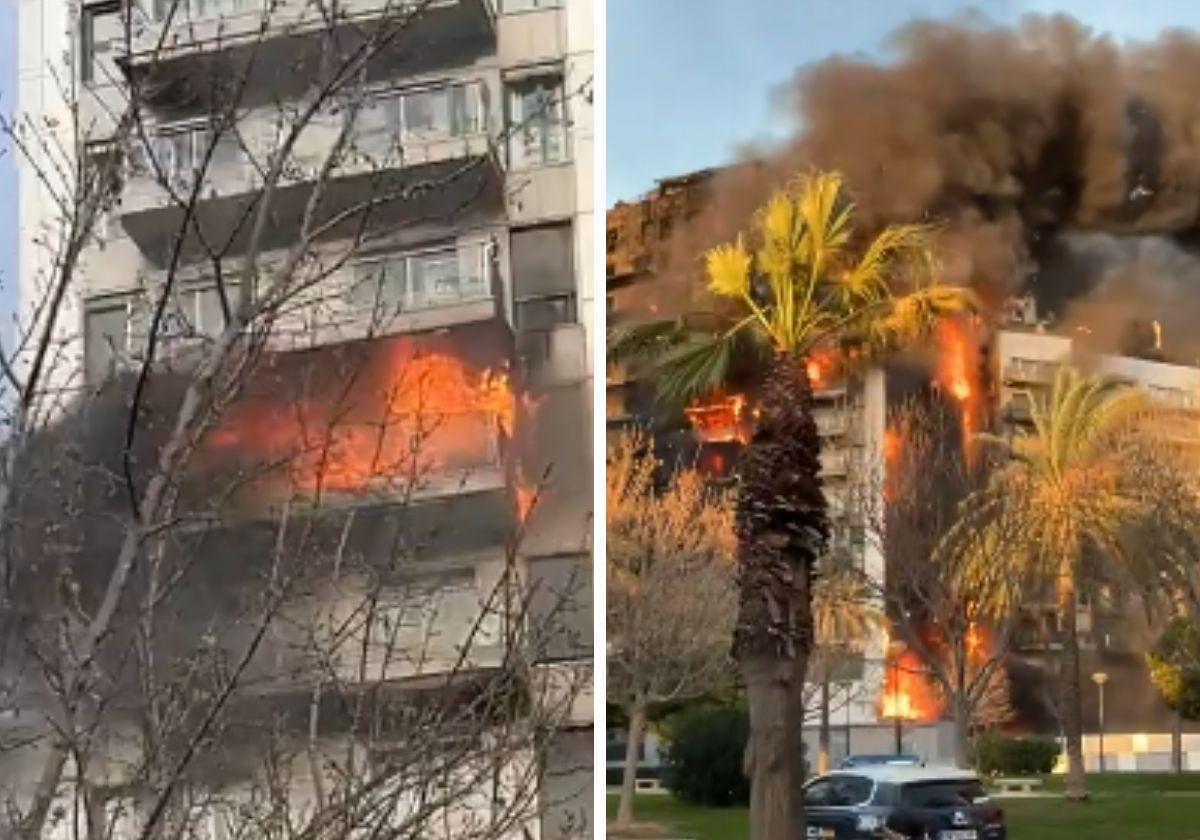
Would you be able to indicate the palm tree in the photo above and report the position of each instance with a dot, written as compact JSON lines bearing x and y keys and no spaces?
{"x":806,"y":282}
{"x":845,"y":612}
{"x":1068,"y":484}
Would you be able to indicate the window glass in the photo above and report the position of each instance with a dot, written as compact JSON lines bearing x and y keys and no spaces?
{"x":942,"y":794}
{"x":528,"y":5}
{"x":100,"y":27}
{"x":228,"y":149}
{"x":543,"y":260}
{"x":379,"y":286}
{"x":435,"y":277}
{"x":537,"y":121}
{"x":105,"y":339}
{"x":210,"y":318}
{"x":838,"y":791}
{"x":472,"y":272}
{"x":426,"y":112}
{"x":545,"y":313}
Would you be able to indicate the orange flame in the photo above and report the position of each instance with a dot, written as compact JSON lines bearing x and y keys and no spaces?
{"x":527,"y":496}
{"x":721,"y":420}
{"x":404,"y":416}
{"x":906,"y":693}
{"x":958,"y":375}
{"x":822,"y":367}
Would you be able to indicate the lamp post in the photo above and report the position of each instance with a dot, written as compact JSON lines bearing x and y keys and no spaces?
{"x":896,"y":705}
{"x":849,"y":688}
{"x":1100,"y":678}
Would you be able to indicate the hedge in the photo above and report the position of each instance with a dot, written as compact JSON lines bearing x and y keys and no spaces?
{"x":999,"y":755}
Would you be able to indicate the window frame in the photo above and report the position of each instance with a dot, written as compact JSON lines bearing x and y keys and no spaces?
{"x":519,"y":125}
{"x":395,"y":123}
{"x":87,"y":37}
{"x":534,"y":6}
{"x":464,"y":252}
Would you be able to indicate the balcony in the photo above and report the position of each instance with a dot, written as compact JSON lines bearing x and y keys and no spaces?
{"x":407,"y":291}
{"x":1030,"y":372}
{"x":192,"y":44}
{"x":834,"y":464}
{"x":415,"y":152}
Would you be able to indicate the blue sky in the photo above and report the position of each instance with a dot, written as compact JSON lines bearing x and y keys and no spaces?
{"x":689,"y":81}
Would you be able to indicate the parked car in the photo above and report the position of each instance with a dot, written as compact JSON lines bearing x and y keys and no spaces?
{"x":869,"y":760}
{"x":901,"y":802}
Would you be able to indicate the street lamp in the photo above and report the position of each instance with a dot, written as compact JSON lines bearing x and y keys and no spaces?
{"x":1100,"y":678}
{"x":896,"y":648}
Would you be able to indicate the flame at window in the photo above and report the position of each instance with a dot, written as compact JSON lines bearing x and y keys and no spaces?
{"x":394,"y":417}
{"x":721,"y":419}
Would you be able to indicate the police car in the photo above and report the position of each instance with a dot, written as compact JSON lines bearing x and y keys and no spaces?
{"x":901,"y":802}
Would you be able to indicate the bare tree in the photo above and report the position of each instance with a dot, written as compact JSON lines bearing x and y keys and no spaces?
{"x":846,"y":610}
{"x":671,"y":591}
{"x":951,"y":596}
{"x":239,"y":598}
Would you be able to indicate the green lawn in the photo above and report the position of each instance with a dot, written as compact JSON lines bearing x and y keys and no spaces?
{"x":1124,"y":807}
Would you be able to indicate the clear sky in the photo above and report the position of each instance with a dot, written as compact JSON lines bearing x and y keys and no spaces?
{"x":689,"y":81}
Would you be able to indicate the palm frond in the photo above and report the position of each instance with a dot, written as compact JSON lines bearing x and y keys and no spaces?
{"x":728,"y":268}
{"x":911,"y":318}
{"x":826,"y":216}
{"x":892,"y":252}
{"x":639,"y":344}
{"x":697,"y":367}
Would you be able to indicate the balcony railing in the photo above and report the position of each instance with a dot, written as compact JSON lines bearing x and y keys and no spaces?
{"x":224,"y":23}
{"x":392,"y":129}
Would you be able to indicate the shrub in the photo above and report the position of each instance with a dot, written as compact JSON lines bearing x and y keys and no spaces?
{"x":705,"y":746}
{"x":1000,"y":755}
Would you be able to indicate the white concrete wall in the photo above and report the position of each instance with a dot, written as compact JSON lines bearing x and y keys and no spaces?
{"x":44,"y":91}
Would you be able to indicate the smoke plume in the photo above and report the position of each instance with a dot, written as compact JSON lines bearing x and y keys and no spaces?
{"x":1008,"y":137}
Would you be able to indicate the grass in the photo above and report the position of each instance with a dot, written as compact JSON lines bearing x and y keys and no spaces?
{"x":1143,"y":806}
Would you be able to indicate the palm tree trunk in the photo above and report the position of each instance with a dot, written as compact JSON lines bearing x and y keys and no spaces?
{"x":781,"y":528}
{"x":771,"y":754}
{"x":1072,"y":695}
{"x":633,"y":751}
{"x":823,"y":756}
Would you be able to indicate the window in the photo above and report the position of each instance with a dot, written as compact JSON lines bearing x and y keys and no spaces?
{"x":199,"y":9}
{"x":942,"y":794}
{"x":837,"y":791}
{"x":195,"y":313}
{"x":440,"y":112}
{"x":106,"y":340}
{"x":423,"y":114}
{"x":543,"y":271}
{"x":507,"y":6}
{"x":537,"y":120}
{"x":100,"y":27}
{"x":182,"y":151}
{"x":400,"y":282}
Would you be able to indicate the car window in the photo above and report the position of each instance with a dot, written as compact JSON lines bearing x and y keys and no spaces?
{"x":942,"y":794}
{"x":838,"y":791}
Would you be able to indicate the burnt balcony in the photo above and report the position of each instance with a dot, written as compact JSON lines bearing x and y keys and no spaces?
{"x":187,"y":50}
{"x":418,"y":152}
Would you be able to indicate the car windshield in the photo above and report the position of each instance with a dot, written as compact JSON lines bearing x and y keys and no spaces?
{"x":837,"y":791}
{"x":942,"y":793}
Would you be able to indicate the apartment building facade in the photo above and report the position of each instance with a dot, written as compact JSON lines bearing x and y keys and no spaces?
{"x":468,"y":140}
{"x":644,"y":283}
{"x":1115,"y":629}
